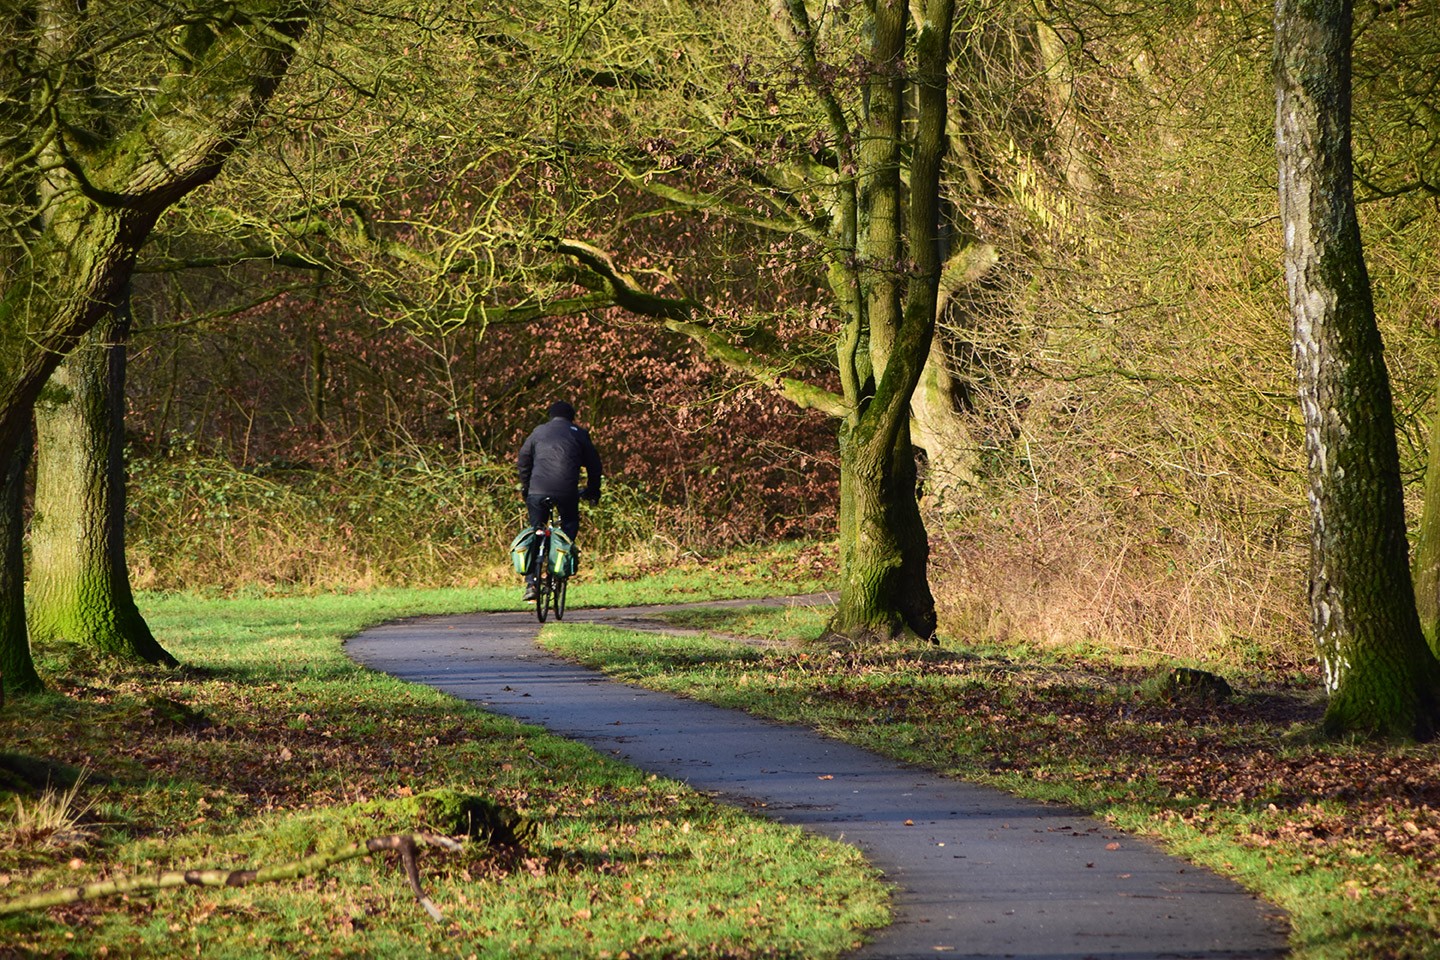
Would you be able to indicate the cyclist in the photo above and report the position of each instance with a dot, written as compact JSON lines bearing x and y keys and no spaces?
{"x":549,"y":464}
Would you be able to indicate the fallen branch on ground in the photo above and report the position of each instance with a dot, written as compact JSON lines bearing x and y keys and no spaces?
{"x":405,"y":843}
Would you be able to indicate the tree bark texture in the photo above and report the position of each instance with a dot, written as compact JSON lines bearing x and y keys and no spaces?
{"x":17,"y":669}
{"x":79,"y":583}
{"x":1381,"y":676}
{"x":880,"y":255}
{"x":1425,"y":571}
{"x":884,"y":550}
{"x":885,"y":553}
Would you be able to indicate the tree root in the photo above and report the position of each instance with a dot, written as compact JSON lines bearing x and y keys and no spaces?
{"x":406,"y":844}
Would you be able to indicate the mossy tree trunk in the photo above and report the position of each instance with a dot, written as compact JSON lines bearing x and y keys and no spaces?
{"x":884,"y":589}
{"x":890,"y":326}
{"x":865,"y":191}
{"x":1426,"y":568}
{"x":1382,"y":678}
{"x":17,"y":669}
{"x":85,"y":181}
{"x":80,"y":584}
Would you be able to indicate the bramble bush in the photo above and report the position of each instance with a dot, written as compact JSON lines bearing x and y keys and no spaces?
{"x":199,"y":522}
{"x":391,"y":462}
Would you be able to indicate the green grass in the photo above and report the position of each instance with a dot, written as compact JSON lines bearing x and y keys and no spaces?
{"x":1345,"y":837}
{"x":775,"y":624}
{"x":270,"y":745}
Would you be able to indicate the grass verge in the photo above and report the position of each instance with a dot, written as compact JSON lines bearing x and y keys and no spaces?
{"x":1345,"y":837}
{"x":270,"y":745}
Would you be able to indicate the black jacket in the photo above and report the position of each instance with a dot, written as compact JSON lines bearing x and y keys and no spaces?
{"x":551,"y":458}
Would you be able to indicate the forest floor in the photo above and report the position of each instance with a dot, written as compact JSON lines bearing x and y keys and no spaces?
{"x":1344,"y":836}
{"x":270,"y":744}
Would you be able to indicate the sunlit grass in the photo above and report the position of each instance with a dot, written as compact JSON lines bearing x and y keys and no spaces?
{"x":270,"y":745}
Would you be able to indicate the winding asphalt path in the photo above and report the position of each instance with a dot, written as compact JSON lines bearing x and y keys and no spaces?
{"x":978,"y":873}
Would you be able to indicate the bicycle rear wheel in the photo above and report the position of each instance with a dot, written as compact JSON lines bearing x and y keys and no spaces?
{"x":544,"y":584}
{"x":557,"y":596}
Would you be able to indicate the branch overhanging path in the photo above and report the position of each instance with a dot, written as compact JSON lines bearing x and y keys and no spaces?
{"x":977,"y":871}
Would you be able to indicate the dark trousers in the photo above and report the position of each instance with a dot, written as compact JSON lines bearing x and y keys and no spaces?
{"x":567,"y":507}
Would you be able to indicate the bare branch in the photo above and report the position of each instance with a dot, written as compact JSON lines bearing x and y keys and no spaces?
{"x":403,"y":843}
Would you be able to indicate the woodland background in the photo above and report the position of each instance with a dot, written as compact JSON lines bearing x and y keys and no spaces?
{"x":1132,"y":470}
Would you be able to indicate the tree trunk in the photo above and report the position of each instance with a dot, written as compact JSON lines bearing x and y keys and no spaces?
{"x":1426,"y":569}
{"x":1381,"y":676}
{"x":317,"y":384}
{"x":884,"y":584}
{"x":883,"y":268}
{"x":939,"y":429}
{"x":1059,"y":78}
{"x":884,"y":550}
{"x":937,"y":424}
{"x":80,"y":585}
{"x":17,"y":669}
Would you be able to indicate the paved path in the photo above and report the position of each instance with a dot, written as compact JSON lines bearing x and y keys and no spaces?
{"x":978,"y":872}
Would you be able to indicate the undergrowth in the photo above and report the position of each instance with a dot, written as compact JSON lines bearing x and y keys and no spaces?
{"x":203,"y":524}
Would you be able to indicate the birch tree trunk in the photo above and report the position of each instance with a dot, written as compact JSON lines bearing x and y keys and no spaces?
{"x":1380,"y":674}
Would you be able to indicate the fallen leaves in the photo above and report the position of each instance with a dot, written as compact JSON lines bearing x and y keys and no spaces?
{"x":1249,"y":772}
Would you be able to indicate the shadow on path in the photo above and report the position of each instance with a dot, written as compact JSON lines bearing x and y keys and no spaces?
{"x":978,"y":873}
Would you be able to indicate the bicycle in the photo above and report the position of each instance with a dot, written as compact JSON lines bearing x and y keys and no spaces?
{"x":550,"y":586}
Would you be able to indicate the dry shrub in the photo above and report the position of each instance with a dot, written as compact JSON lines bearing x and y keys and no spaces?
{"x":1141,"y":469}
{"x":203,"y":523}
{"x":199,"y":523}
{"x":56,"y":818}
{"x":1078,"y":588}
{"x":1147,"y":495}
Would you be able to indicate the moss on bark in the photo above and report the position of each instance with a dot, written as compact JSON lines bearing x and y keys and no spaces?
{"x":884,"y":590}
{"x":1382,"y":678}
{"x":80,"y":586}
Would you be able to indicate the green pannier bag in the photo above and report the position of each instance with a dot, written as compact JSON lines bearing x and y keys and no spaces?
{"x":521,"y":548}
{"x":564,"y":557}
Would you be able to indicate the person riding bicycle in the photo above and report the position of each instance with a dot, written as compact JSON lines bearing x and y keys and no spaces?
{"x":549,"y":464}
